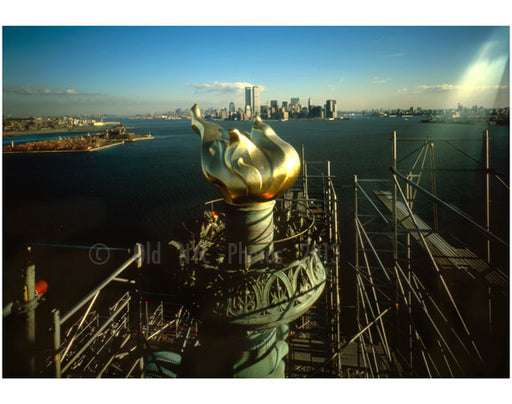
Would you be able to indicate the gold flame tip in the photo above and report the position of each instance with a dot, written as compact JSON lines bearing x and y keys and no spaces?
{"x":248,"y":168}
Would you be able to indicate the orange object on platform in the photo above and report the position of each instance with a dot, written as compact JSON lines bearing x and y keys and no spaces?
{"x":41,"y":287}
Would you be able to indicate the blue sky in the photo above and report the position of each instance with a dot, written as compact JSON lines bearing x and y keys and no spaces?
{"x":126,"y":70}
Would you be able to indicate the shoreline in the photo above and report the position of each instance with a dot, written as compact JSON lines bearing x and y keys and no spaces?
{"x":98,"y":129}
{"x":65,"y":151}
{"x":80,"y":151}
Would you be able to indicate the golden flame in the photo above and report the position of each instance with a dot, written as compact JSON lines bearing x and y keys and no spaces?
{"x":248,"y":168}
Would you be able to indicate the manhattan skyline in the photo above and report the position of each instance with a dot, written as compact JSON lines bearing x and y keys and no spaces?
{"x":129,"y":70}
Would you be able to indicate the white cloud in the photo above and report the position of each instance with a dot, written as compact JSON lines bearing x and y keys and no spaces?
{"x":380,"y":80}
{"x":443,"y":88}
{"x":29,"y":90}
{"x":218,"y":87}
{"x":436,"y":88}
{"x":448,"y":95}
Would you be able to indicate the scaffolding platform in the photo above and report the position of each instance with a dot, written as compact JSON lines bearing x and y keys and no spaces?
{"x":447,"y":256}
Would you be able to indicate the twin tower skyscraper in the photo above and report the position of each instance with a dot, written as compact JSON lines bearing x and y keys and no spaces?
{"x":252,"y":101}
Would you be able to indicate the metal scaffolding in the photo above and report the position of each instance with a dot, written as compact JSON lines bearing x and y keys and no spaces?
{"x":316,"y":336}
{"x":411,"y":277}
{"x":108,"y":336}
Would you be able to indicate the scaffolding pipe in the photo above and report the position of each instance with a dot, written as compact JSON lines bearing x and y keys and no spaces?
{"x":395,"y":225}
{"x":370,"y":335}
{"x":383,"y":335}
{"x":418,"y":284}
{"x":337,"y":274}
{"x":356,"y":258}
{"x":56,"y":342}
{"x":96,"y":334}
{"x":354,"y":338}
{"x":30,"y":304}
{"x":304,"y":173}
{"x":443,"y":282}
{"x":375,"y":253}
{"x":80,"y":325}
{"x":360,"y":188}
{"x":487,"y":192}
{"x":425,"y":310}
{"x":417,"y":335}
{"x":135,"y":257}
{"x":453,"y":209}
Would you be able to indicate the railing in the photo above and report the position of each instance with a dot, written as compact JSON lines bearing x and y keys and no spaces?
{"x":118,"y":318}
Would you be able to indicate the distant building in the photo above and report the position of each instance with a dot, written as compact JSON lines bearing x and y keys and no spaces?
{"x":247,"y":114}
{"x":256,"y":99}
{"x":295,"y":107}
{"x":330,"y":109}
{"x":265,"y":112}
{"x":248,"y":99}
{"x":231,"y":107}
{"x":252,"y":99}
{"x":304,"y":113}
{"x":274,"y":109}
{"x":316,"y":112}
